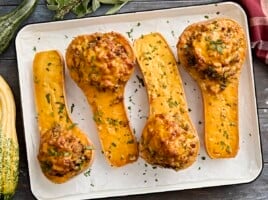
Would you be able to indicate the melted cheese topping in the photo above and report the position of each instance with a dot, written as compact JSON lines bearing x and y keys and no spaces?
{"x":103,"y":60}
{"x":215,"y":49}
{"x":61,"y":152}
{"x":169,"y":142}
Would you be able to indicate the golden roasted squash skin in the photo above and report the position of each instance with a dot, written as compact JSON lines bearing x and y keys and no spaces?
{"x":169,"y":138}
{"x":213,"y":53}
{"x":101,"y":64}
{"x":64,"y":151}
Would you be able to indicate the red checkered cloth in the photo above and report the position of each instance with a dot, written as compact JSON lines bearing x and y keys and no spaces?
{"x":257,"y":11}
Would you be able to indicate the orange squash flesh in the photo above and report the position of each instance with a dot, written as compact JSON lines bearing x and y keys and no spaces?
{"x":64,"y":151}
{"x":221,"y":122}
{"x":101,"y":64}
{"x":213,"y":53}
{"x":169,"y":138}
{"x":118,"y":142}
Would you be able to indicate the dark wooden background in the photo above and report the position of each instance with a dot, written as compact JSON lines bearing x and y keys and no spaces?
{"x":254,"y":191}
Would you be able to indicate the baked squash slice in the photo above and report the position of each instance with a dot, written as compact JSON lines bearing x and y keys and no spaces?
{"x":213,"y":53}
{"x":169,"y":138}
{"x":101,"y":64}
{"x":64,"y":151}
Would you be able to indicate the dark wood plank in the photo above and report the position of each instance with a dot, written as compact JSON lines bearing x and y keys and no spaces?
{"x":6,"y":9}
{"x":8,"y":69}
{"x":263,"y":120}
{"x":17,"y":2}
{"x":261,"y":80}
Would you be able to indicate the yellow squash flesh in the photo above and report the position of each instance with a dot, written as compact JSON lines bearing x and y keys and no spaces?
{"x":101,"y":64}
{"x":213,"y":53}
{"x":65,"y":151}
{"x":169,"y":138}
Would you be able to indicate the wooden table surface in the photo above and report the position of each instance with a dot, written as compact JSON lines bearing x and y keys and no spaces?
{"x":255,"y":190}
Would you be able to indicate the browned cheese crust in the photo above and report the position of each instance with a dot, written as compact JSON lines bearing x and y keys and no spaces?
{"x":104,"y":60}
{"x":215,"y":49}
{"x":169,"y":142}
{"x":63,"y":154}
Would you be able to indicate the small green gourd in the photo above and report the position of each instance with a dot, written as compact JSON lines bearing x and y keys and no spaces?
{"x":9,"y":23}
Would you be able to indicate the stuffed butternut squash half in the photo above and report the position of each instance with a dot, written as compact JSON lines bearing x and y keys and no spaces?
{"x":169,"y":138}
{"x":213,"y":53}
{"x":64,"y":151}
{"x":101,"y":64}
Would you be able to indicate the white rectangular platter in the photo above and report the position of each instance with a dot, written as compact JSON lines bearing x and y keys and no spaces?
{"x":137,"y":178}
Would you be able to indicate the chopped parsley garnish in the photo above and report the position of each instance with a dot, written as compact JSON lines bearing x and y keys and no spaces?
{"x":97,"y":117}
{"x":129,"y":33}
{"x":87,"y":173}
{"x":72,"y":108}
{"x":72,"y":126}
{"x":113,"y":122}
{"x":217,"y":45}
{"x":172,"y":103}
{"x":61,"y":107}
{"x":89,"y":147}
{"x":140,"y":80}
{"x":48,"y":98}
